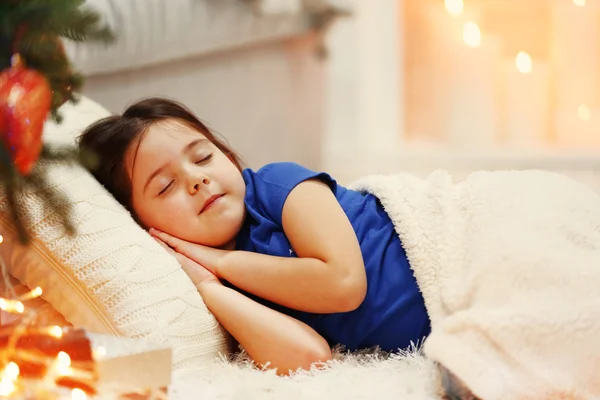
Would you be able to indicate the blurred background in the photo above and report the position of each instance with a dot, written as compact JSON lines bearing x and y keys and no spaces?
{"x":358,"y":87}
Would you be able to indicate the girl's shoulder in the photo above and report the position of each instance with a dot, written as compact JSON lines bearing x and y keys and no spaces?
{"x":286,"y":175}
{"x":267,"y":188}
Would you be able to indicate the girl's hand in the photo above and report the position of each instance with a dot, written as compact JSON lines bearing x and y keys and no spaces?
{"x":197,"y":273}
{"x":207,"y":257}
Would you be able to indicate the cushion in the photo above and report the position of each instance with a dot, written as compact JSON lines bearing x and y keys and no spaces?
{"x":111,"y":277}
{"x":44,"y":313}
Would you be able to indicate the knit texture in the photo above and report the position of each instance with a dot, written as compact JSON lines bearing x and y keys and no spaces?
{"x":111,"y":276}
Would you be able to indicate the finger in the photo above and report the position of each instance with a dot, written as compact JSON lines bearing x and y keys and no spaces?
{"x":165,"y":237}
{"x":164,"y":246}
{"x":182,"y":259}
{"x":179,"y":245}
{"x":189,"y":266}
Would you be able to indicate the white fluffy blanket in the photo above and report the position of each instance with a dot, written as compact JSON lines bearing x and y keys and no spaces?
{"x":357,"y":376}
{"x":509,"y":265}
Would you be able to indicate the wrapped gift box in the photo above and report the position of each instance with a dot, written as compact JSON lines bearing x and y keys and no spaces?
{"x":51,"y":362}
{"x":131,"y":367}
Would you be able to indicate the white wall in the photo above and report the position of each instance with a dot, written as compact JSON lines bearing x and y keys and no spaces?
{"x":365,"y":79}
{"x":266,"y":99}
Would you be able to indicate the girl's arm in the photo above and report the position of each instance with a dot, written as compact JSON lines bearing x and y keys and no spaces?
{"x":268,"y":336}
{"x":329,"y":274}
{"x":327,"y":277}
{"x":272,"y":339}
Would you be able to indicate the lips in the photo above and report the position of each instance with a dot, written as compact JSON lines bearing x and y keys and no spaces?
{"x":209,"y":202}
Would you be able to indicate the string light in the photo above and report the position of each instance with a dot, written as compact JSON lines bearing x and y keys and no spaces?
{"x":12,"y":371}
{"x":13,"y":385}
{"x":584,"y":113}
{"x":62,"y":365}
{"x":55,"y":331}
{"x":8,"y":379}
{"x":78,"y":394}
{"x":99,"y":352}
{"x":12,"y":306}
{"x":472,"y":34}
{"x":37,"y":292}
{"x":16,"y":305}
{"x":7,"y":387}
{"x":454,"y":7}
{"x":524,"y":62}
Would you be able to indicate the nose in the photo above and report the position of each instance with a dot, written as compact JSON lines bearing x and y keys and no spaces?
{"x":197,"y":181}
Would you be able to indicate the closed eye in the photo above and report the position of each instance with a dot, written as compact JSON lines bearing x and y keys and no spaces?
{"x":205,"y":159}
{"x":164,"y":190}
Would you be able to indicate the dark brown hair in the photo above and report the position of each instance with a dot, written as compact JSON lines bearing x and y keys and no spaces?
{"x":109,"y":140}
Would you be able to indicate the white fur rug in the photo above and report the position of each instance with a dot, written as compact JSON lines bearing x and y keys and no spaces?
{"x":367,"y":375}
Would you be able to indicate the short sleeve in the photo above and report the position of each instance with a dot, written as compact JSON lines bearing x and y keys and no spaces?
{"x":271,"y":185}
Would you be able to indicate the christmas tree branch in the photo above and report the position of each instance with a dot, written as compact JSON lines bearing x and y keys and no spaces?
{"x":10,"y":178}
{"x":84,"y":25}
{"x":32,"y":32}
{"x":52,"y":200}
{"x":69,"y":155}
{"x":12,"y":187}
{"x":34,"y":28}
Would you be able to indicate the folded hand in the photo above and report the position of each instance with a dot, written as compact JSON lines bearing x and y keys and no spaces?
{"x":197,"y":273}
{"x":207,"y":257}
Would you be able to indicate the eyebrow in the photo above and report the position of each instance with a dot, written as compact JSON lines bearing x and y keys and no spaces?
{"x":187,"y":148}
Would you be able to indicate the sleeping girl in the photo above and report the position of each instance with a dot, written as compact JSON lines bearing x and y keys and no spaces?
{"x":287,"y":260}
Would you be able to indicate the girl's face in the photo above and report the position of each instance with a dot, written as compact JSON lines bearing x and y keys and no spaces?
{"x":182,"y":184}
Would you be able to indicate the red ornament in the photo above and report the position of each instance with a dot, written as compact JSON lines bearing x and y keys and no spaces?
{"x":25,"y":99}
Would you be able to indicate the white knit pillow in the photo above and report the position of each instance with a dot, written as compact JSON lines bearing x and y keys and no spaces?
{"x":112,"y":277}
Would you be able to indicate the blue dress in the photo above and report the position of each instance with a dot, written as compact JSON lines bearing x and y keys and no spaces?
{"x":393,"y":314}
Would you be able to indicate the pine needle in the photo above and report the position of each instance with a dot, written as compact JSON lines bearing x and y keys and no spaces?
{"x":35,"y":29}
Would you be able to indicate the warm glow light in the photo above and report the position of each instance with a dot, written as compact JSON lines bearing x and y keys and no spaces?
{"x":8,"y":379}
{"x":78,"y":394}
{"x":63,"y":359}
{"x":99,"y":352}
{"x":37,"y":292}
{"x":524,"y":62}
{"x":63,"y":363}
{"x":1,"y":238}
{"x":584,"y":112}
{"x":454,"y":7}
{"x":11,"y":306}
{"x":11,"y":371}
{"x":7,"y":387}
{"x":472,"y":34}
{"x":580,"y":3}
{"x":55,"y":331}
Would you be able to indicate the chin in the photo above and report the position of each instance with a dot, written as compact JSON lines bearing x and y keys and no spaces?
{"x":216,"y":238}
{"x":223,"y":240}
{"x":217,"y":243}
{"x":225,"y":235}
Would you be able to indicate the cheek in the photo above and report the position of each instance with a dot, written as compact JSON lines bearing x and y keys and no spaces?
{"x":234,"y":180}
{"x":150,"y":217}
{"x":165,"y":215}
